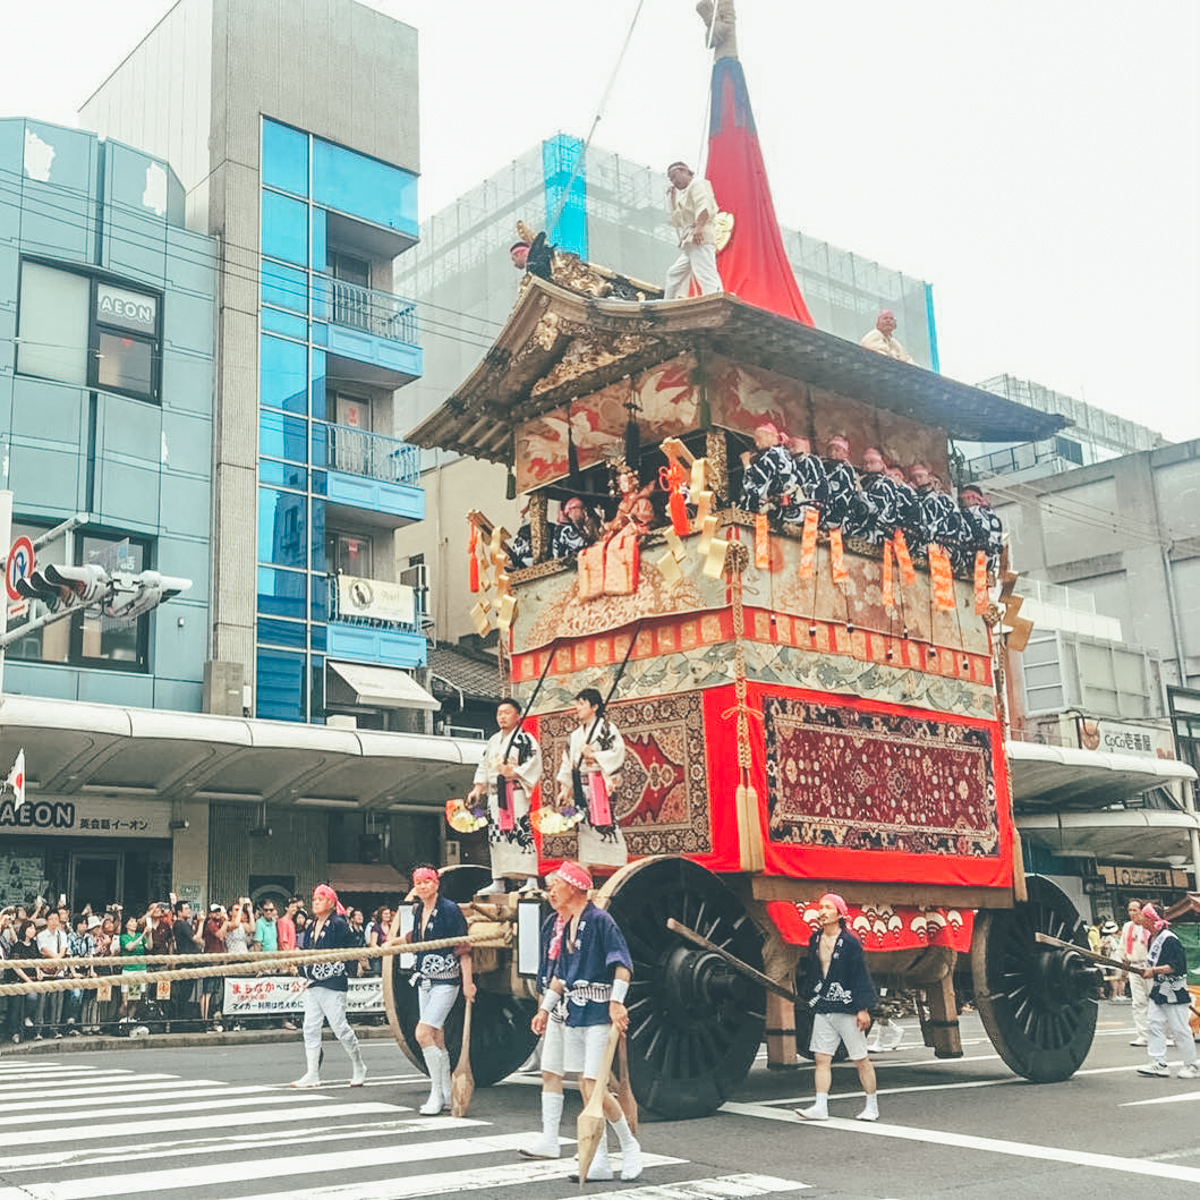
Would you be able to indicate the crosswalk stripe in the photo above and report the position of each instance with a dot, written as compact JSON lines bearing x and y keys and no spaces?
{"x":126,"y":1129}
{"x":50,"y":1104}
{"x":98,"y":1081}
{"x":209,"y":1174}
{"x":240,"y":1144}
{"x":722,"y":1187}
{"x":157,"y":1084}
{"x":297,"y":1099}
{"x":63,"y":1074}
{"x":438,"y":1183}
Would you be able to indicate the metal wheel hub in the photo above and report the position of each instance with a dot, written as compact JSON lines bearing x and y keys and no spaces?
{"x":696,"y":981}
{"x":1066,"y":977}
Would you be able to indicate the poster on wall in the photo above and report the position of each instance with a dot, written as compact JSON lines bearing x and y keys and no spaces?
{"x":22,"y":877}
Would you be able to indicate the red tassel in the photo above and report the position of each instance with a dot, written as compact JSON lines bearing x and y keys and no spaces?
{"x":679,"y":517}
{"x":473,"y":561}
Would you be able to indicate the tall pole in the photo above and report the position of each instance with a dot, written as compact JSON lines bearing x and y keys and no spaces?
{"x":6,"y":507}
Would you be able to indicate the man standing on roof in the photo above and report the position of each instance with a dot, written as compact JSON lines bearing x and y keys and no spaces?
{"x":510,"y":769}
{"x":693,"y":208}
{"x":880,"y":338}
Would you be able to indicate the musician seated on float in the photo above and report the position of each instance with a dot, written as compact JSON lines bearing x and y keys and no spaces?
{"x":874,"y":510}
{"x":979,"y":530}
{"x":811,"y":485}
{"x":577,"y":529}
{"x":769,"y":478}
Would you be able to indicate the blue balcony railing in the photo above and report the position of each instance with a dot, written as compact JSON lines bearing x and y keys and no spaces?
{"x":378,"y":313}
{"x":373,"y":455}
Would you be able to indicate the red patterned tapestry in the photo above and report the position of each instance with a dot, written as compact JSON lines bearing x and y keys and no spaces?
{"x":882,"y":926}
{"x":878,"y":781}
{"x":661,"y":802}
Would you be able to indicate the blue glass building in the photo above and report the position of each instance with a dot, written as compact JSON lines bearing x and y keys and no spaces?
{"x":107,"y":350}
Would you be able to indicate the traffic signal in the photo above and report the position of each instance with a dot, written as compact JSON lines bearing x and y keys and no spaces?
{"x":124,"y":595}
{"x":132,"y":595}
{"x":60,"y":588}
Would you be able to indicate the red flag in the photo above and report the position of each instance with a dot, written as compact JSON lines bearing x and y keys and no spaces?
{"x":753,"y":264}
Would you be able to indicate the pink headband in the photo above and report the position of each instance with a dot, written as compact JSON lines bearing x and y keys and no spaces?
{"x":837,"y":902}
{"x":839,"y":441}
{"x":768,"y":428}
{"x":425,"y":875}
{"x":575,"y":875}
{"x":1152,"y":913}
{"x":327,"y":893}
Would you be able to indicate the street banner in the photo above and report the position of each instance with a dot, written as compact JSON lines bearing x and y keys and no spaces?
{"x":264,"y":995}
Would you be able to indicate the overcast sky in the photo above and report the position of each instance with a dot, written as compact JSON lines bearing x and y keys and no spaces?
{"x":1035,"y":160}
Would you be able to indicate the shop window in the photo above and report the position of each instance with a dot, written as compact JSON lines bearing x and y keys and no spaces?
{"x":88,"y":332}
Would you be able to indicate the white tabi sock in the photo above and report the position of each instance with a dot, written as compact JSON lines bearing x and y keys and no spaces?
{"x":870,"y":1110}
{"x":819,"y":1111}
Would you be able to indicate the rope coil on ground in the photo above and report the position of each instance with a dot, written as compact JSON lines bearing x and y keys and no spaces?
{"x":69,"y":983}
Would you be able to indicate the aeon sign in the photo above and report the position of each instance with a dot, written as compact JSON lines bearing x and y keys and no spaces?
{"x":128,"y":310}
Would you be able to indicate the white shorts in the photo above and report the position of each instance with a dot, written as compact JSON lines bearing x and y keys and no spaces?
{"x":830,"y":1028}
{"x":567,"y":1049}
{"x":435,"y":1001}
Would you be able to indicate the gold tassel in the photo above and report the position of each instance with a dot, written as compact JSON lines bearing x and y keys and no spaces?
{"x":808,"y":543}
{"x":981,"y":588}
{"x":837,"y":561}
{"x":762,"y":542}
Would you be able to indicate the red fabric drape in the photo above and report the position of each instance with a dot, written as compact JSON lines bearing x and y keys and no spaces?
{"x":753,"y":265}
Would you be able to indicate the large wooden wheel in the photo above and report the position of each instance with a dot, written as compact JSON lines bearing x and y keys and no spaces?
{"x":1037,"y":1004}
{"x":695,"y":1024}
{"x":501,"y":1039}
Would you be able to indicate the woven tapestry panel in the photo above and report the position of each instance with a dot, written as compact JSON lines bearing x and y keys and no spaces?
{"x":878,"y":781}
{"x":661,"y":802}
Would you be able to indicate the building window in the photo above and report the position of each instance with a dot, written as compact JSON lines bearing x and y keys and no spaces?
{"x":89,"y":638}
{"x":350,"y":554}
{"x":100,"y":641}
{"x":88,"y":332}
{"x":52,"y":338}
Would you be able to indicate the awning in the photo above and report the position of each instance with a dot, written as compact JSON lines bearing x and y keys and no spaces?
{"x":1137,"y":833}
{"x":367,"y":877}
{"x":73,"y":747}
{"x":382,"y":687}
{"x":1058,"y":777}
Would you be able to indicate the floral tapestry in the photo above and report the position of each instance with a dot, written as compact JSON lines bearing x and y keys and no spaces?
{"x":841,"y":777}
{"x":661,"y":802}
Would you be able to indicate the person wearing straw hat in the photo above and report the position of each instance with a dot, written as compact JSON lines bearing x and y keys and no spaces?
{"x":324,"y":998}
{"x":838,"y":989}
{"x":585,"y":973}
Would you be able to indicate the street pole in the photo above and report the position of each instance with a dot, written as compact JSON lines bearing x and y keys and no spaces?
{"x":6,"y":507}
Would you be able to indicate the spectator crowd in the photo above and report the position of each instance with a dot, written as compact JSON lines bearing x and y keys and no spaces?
{"x":39,"y":942}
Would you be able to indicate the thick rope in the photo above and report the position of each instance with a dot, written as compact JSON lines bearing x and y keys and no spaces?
{"x":68,"y":983}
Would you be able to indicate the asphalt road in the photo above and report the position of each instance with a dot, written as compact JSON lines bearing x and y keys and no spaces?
{"x":218,"y":1121}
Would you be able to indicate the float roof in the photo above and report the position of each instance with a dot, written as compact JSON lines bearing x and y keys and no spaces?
{"x":591,"y":343}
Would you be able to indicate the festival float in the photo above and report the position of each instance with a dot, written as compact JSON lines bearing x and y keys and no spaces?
{"x":802,"y":712}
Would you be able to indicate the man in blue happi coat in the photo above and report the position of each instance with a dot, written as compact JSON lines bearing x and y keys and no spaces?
{"x":838,"y":989}
{"x":585,"y":974}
